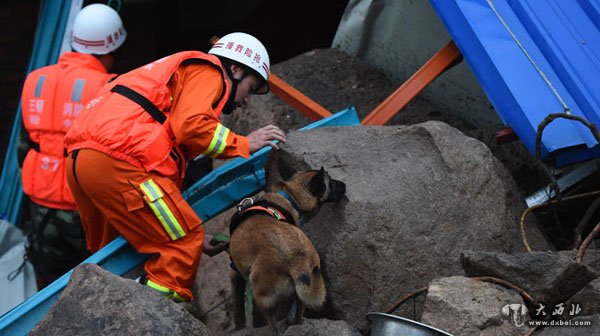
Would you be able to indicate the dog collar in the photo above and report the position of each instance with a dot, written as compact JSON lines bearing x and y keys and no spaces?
{"x":248,"y":208}
{"x":293,"y":203}
{"x":270,"y":210}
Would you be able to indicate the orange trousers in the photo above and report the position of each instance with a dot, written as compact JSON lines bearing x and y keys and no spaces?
{"x":111,"y":202}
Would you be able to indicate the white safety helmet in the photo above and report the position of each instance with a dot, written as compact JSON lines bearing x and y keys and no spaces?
{"x":98,"y":30}
{"x":247,"y":50}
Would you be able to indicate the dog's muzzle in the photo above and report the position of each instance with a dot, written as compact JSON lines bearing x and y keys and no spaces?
{"x":337,"y":189}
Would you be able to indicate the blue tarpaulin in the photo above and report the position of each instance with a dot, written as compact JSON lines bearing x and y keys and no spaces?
{"x":535,"y":58}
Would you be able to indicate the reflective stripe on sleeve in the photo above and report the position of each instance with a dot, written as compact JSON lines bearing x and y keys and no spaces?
{"x":77,"y":91}
{"x":39,"y":85}
{"x":154,"y":199}
{"x":171,"y":294}
{"x":218,"y":142}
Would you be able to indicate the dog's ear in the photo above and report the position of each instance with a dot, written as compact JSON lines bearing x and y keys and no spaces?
{"x":316,"y":185}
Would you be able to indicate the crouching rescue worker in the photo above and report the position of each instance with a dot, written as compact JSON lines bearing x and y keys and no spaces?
{"x":52,"y":98}
{"x":129,"y":149}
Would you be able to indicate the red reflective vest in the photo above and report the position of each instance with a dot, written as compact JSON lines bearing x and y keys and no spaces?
{"x":129,"y":120}
{"x":52,"y":97}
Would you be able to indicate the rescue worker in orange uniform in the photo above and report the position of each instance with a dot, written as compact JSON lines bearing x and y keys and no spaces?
{"x":52,"y":98}
{"x":129,"y":149}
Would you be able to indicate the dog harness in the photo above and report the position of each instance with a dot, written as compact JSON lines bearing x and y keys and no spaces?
{"x":248,"y":208}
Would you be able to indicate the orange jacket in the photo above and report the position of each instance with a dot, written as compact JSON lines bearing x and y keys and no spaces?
{"x":161,"y":124}
{"x":52,"y":97}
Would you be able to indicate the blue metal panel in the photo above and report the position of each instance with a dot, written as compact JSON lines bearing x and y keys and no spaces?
{"x":46,"y":48}
{"x":210,"y":196}
{"x":534,"y":58}
{"x":592,"y":10}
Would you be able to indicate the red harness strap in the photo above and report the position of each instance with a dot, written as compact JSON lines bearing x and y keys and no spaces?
{"x":271,"y":211}
{"x":252,"y":210}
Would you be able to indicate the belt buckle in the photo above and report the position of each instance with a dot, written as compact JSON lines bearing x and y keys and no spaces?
{"x":245,"y":203}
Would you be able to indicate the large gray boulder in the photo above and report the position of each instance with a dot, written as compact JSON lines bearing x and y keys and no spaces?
{"x":591,"y":258}
{"x":321,"y":327}
{"x":463,"y":306}
{"x":417,"y":196}
{"x":550,"y":277}
{"x":587,"y":300}
{"x":309,"y":327}
{"x":97,"y":302}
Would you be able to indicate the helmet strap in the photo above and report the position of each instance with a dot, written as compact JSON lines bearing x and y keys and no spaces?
{"x":230,"y":105}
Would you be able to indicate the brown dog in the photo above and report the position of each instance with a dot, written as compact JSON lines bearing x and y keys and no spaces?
{"x":269,"y":250}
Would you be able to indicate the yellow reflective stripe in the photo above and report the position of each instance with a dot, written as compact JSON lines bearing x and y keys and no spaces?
{"x":214,"y":140}
{"x":151,"y":190}
{"x":171,"y":294}
{"x":172,"y":221}
{"x":154,"y":199}
{"x":157,"y":287}
{"x":159,"y":214}
{"x":218,"y":142}
{"x":221,"y":148}
{"x":176,"y":297}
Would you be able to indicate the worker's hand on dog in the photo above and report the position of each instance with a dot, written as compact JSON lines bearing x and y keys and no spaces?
{"x":211,"y":248}
{"x":264,"y":136}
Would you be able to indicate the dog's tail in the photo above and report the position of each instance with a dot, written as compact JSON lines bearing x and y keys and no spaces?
{"x":310,"y":286}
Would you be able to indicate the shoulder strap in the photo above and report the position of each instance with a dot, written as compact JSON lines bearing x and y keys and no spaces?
{"x":144,"y":102}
